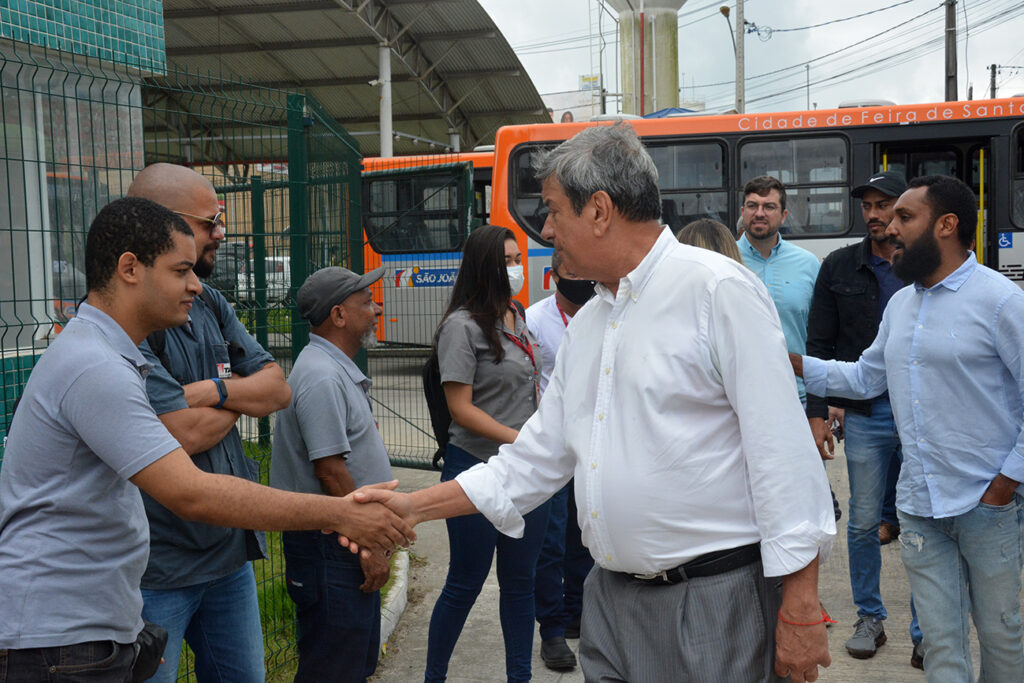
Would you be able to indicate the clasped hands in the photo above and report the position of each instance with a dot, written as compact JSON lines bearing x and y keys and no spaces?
{"x":376,"y":519}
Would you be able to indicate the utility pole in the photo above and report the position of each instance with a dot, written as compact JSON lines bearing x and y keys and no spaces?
{"x":741,"y":99}
{"x":808,"y":67}
{"x":951,"y":95}
{"x":992,"y":81}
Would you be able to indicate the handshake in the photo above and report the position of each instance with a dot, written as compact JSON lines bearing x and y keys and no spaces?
{"x":379,"y":518}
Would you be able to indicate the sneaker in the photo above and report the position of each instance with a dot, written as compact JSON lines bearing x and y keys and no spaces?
{"x":917,"y":659}
{"x":557,"y":655}
{"x":868,"y":634}
{"x":888,"y":532}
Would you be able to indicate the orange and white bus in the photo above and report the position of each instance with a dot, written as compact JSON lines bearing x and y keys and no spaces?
{"x":417,"y":212}
{"x":704,"y":161}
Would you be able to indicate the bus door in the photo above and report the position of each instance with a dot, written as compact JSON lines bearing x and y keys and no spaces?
{"x":968,"y":160}
{"x":415,"y":221}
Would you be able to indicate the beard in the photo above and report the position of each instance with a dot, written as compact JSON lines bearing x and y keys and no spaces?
{"x":878,"y":236}
{"x":204,"y":264}
{"x":919,"y":260}
{"x":368,"y":340}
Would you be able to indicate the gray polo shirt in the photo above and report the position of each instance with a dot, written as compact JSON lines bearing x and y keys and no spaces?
{"x":73,"y":532}
{"x":188,"y":553}
{"x":330,"y":414}
{"x":507,"y":391}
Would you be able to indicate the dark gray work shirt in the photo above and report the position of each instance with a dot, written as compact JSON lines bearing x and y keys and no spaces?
{"x":330,"y":414}
{"x":73,"y":533}
{"x":507,"y":391}
{"x":188,"y":553}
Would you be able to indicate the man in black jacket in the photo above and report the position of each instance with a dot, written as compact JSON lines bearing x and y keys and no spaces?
{"x":851,"y":292}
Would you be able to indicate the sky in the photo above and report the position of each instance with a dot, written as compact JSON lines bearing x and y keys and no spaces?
{"x":882,"y":55}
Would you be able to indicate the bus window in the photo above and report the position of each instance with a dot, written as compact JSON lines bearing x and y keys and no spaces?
{"x":814,"y":171}
{"x":529,"y":209}
{"x":916,"y":163}
{"x":691,"y":177}
{"x":417,"y":209}
{"x":1018,"y":178}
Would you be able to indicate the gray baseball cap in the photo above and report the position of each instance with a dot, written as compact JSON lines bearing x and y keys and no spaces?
{"x":889,"y":183}
{"x":328,"y":287}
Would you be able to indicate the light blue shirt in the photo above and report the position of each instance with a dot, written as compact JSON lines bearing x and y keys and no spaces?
{"x":789,"y":273}
{"x":951,"y":357}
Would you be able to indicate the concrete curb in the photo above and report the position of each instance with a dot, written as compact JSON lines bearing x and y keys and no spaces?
{"x":397,"y":598}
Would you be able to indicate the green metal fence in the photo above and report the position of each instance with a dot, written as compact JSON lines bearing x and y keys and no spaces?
{"x":75,"y":132}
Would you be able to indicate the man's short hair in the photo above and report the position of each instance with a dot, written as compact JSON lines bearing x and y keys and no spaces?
{"x":951,"y":195}
{"x":130,"y":224}
{"x":608,"y":158}
{"x":762,"y":185}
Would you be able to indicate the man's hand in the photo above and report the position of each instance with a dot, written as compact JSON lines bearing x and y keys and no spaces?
{"x":1000,"y":491}
{"x":371,"y":526}
{"x":397,"y":502}
{"x":376,"y":570}
{"x":822,"y":438}
{"x":800,"y":650}
{"x":836,"y":420}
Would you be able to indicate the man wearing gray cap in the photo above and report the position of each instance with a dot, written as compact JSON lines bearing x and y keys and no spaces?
{"x":326,"y":441}
{"x":853,"y":287}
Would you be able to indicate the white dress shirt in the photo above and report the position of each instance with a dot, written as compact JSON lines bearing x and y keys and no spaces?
{"x":544,"y":319}
{"x":679,"y":417}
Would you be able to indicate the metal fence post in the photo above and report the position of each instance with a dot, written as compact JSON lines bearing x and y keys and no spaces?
{"x":298,"y":207}
{"x":259,"y":248}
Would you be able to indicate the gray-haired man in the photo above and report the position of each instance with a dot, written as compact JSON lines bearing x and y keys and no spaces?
{"x":682,"y":426}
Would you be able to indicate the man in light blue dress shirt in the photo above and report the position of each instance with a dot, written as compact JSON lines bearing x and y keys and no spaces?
{"x":949,"y":349}
{"x":788,"y":271}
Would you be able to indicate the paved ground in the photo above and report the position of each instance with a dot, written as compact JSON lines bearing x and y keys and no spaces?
{"x":479,"y":655}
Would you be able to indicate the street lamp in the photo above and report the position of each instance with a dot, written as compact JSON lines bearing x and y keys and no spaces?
{"x":737,"y":49}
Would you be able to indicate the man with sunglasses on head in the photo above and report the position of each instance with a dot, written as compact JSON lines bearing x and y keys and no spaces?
{"x":199,"y":582}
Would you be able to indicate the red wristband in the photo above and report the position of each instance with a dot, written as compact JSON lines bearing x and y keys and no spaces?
{"x":824,"y":620}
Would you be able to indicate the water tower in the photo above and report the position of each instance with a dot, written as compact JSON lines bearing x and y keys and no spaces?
{"x":649,"y":37}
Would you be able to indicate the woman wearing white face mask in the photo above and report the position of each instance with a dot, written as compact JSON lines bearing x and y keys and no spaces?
{"x":490,"y":366}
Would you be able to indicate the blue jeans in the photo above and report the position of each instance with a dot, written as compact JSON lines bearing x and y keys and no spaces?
{"x":968,"y":565}
{"x":563,"y":565}
{"x":102,"y":661}
{"x":872,"y":444}
{"x":219,"y":619}
{"x":472,"y":541}
{"x":339,"y":625}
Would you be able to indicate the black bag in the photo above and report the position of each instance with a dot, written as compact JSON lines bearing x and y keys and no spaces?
{"x":437,"y":405}
{"x":149,"y":651}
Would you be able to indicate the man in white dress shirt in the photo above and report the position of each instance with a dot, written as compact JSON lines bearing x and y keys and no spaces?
{"x":700,"y":491}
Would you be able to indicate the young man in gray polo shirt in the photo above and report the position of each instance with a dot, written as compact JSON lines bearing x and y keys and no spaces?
{"x":327,"y":442}
{"x":73,"y":533}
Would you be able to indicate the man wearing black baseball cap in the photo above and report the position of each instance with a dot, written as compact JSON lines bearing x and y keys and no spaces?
{"x":326,"y":441}
{"x":851,"y":292}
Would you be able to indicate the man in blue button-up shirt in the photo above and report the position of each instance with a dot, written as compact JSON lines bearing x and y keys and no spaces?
{"x":949,"y":351}
{"x":788,"y":271}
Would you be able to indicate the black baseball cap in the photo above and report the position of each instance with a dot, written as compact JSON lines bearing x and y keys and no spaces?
{"x":890,"y":183}
{"x":328,"y":287}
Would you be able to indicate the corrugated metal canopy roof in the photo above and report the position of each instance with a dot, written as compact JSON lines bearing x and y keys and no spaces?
{"x":451,"y":67}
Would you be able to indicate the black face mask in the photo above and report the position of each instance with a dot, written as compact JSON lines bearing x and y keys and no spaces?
{"x":576,"y":291}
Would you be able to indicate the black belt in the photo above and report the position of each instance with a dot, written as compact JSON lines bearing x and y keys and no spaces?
{"x":717,"y":562}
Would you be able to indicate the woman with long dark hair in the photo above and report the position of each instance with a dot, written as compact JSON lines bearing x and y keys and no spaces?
{"x":490,"y":366}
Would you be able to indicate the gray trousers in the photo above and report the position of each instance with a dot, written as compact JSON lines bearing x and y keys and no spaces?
{"x":715,"y":628}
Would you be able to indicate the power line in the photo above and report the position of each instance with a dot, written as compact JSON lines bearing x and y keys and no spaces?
{"x":833,"y":21}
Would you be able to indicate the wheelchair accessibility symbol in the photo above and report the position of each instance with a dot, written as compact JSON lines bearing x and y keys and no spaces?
{"x":1006,"y":240}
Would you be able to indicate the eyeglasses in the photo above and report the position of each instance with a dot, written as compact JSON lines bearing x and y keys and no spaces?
{"x":768,"y":207}
{"x":216,"y":222}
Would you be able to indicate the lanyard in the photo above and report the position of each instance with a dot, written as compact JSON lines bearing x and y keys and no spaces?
{"x":565,"y":320}
{"x":527,"y":348}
